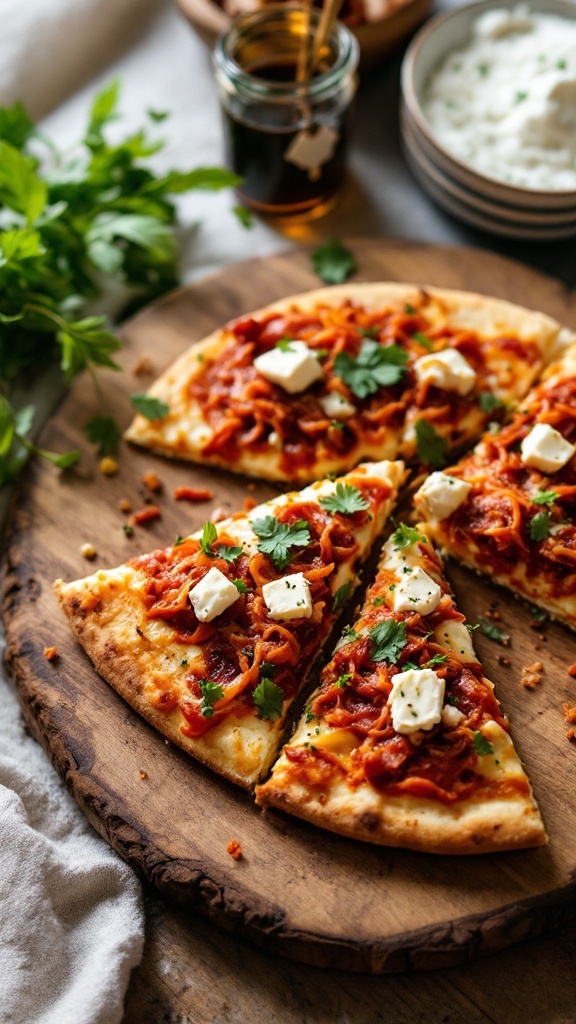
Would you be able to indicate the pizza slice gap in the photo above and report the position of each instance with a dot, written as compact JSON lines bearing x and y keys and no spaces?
{"x":211,"y":640}
{"x":318,"y":382}
{"x":404,"y":742}
{"x":507,"y":509}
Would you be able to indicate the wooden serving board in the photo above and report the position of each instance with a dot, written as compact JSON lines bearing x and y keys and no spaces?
{"x":297,"y":890}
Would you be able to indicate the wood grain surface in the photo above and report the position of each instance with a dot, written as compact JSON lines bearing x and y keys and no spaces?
{"x":307,"y":894}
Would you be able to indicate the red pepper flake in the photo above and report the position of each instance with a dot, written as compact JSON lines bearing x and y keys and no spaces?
{"x":249,"y":504}
{"x":503,"y":661}
{"x":152,"y":481}
{"x":143,"y":775}
{"x":572,"y":670}
{"x":193,"y":494}
{"x":51,"y":653}
{"x":146,"y":515}
{"x":234,"y":849}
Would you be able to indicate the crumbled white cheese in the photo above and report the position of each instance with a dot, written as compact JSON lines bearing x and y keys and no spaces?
{"x":443,"y":494}
{"x":212,"y":595}
{"x":416,"y":700}
{"x":446,"y":369}
{"x":545,"y":449}
{"x":336,"y":407}
{"x":293,"y":368}
{"x":288,"y":598}
{"x":416,"y":592}
{"x":452,"y":716}
{"x":274,"y":439}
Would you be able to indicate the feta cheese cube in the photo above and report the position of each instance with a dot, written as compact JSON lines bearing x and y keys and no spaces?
{"x":212,"y":595}
{"x":416,"y":700}
{"x":288,"y":598}
{"x":336,"y":407}
{"x":452,"y":716}
{"x":293,"y":368}
{"x":446,"y":369}
{"x":416,"y":592}
{"x":545,"y":449}
{"x":443,"y":494}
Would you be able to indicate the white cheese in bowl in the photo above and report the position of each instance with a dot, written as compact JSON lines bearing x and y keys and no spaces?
{"x":505,"y":103}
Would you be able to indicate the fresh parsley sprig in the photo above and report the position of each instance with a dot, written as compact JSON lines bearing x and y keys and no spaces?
{"x":276,"y":539}
{"x":388,"y":640}
{"x":269,"y":699}
{"x":432,"y":448}
{"x":376,"y":366}
{"x":333,"y":262}
{"x":229,"y":552}
{"x":345,"y":499}
{"x":405,"y":536}
{"x":211,"y":692}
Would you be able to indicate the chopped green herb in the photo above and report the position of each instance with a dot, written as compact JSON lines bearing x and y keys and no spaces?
{"x":343,"y":680}
{"x":452,"y":700}
{"x":538,"y":614}
{"x":184,"y":661}
{"x":483,"y":70}
{"x":437,"y":659}
{"x":489,"y":402}
{"x":209,"y":535}
{"x":309,"y":714}
{"x":432,"y":448}
{"x":349,"y":634}
{"x":378,"y":601}
{"x":276,"y":539}
{"x":269,"y":699}
{"x":405,"y":536}
{"x":346,"y":499}
{"x":561,"y":64}
{"x":540,"y":526}
{"x":388,"y":639}
{"x":229,"y":552}
{"x":409,"y":310}
{"x":481,"y":744}
{"x":179,"y":540}
{"x":240,"y":586}
{"x":211,"y":692}
{"x":341,"y":596}
{"x":369,"y":332}
{"x":374,"y":367}
{"x":521,"y":96}
{"x":128,"y":529}
{"x":425,"y":341}
{"x":544,"y":498}
{"x":333,"y":262}
{"x":151,"y":408}
{"x":284,"y":344}
{"x":105,"y":432}
{"x":492,"y":632}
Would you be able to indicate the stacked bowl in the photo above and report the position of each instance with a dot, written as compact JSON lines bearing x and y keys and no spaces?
{"x":475,"y":191}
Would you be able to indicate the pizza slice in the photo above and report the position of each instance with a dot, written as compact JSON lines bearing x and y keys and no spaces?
{"x":315,"y":384}
{"x":404,"y":743}
{"x":508,"y":508}
{"x":212,"y":639}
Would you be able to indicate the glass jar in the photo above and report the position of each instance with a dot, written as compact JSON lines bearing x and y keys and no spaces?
{"x":286,"y":129}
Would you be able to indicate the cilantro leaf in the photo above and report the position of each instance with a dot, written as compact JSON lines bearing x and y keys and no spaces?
{"x":333,"y":262}
{"x":346,"y":499}
{"x":432,"y":448}
{"x":374,"y":367}
{"x":284,"y":344}
{"x":405,"y":536}
{"x":240,"y":586}
{"x":489,"y":402}
{"x":105,"y":432}
{"x":277,"y":538}
{"x":437,"y":659}
{"x":341,"y":596}
{"x":343,"y":680}
{"x":493,"y":632}
{"x":211,"y":692}
{"x":209,"y":535}
{"x":349,"y":634}
{"x":540,"y":526}
{"x":269,"y":699}
{"x":481,"y":744}
{"x":544,"y":498}
{"x":229,"y":552}
{"x":151,"y":408}
{"x":388,"y":639}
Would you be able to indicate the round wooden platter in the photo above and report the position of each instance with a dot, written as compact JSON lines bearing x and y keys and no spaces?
{"x":297,"y":890}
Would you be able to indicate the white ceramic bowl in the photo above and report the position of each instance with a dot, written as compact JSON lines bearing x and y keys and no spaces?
{"x":439,"y":37}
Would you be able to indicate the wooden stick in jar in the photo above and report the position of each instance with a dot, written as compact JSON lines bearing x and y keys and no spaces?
{"x":330,"y":11}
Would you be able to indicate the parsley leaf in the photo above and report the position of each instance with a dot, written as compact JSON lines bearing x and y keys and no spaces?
{"x":432,"y":448}
{"x":229,"y":552}
{"x":481,"y":744}
{"x":437,"y":659}
{"x":105,"y":432}
{"x":341,"y":596}
{"x":211,"y":692}
{"x":346,"y":499}
{"x":284,"y":344}
{"x":405,"y":536}
{"x":333,"y":262}
{"x":151,"y":408}
{"x":277,"y":538}
{"x":493,"y":632}
{"x":489,"y":402}
{"x":540,"y":526}
{"x":374,"y":367}
{"x":343,"y":680}
{"x":240,"y":586}
{"x":544,"y":498}
{"x":388,"y":639}
{"x":268,"y":698}
{"x":209,"y":535}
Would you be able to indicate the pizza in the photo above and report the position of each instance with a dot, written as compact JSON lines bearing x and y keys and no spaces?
{"x":212,"y":639}
{"x":404,"y":742}
{"x":316,"y":383}
{"x":507,"y":509}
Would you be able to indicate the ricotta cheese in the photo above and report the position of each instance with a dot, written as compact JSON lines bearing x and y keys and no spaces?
{"x":288,"y":598}
{"x":293,"y":368}
{"x":545,"y":449}
{"x":212,"y":595}
{"x":446,"y":369}
{"x":452,"y":716}
{"x":505,"y":103}
{"x":416,"y":592}
{"x":416,"y":700}
{"x":336,"y":407}
{"x":443,"y":494}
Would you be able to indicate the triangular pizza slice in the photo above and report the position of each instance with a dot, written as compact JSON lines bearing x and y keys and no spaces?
{"x":212,"y":639}
{"x":317,"y":382}
{"x":507,"y":508}
{"x":404,"y":743}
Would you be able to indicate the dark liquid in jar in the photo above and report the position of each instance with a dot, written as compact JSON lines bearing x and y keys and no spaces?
{"x":271,"y":184}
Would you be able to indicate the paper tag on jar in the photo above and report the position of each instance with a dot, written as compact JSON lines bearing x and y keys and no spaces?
{"x":309,"y":150}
